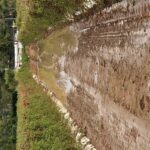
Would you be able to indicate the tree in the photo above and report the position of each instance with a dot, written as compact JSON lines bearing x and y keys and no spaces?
{"x":10,"y":79}
{"x":6,"y":36}
{"x":7,"y":85}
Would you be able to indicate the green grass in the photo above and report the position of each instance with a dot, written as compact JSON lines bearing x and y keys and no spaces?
{"x":56,"y":44}
{"x":51,"y":48}
{"x":40,"y":125}
{"x":59,"y":41}
{"x":35,"y":16}
{"x":49,"y":77}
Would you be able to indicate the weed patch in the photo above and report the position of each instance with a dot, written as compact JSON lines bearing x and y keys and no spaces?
{"x":40,"y":126}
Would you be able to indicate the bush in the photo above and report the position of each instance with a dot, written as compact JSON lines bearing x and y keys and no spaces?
{"x":10,"y":79}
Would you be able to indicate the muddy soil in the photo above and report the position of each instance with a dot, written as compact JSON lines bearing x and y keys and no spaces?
{"x":109,"y":76}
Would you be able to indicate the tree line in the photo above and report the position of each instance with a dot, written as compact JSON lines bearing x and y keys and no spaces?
{"x":8,"y":95}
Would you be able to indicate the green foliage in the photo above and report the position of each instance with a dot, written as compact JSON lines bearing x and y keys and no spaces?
{"x":7,"y":89}
{"x":34,"y":17}
{"x":40,"y":126}
{"x":7,"y":7}
{"x":7,"y":10}
{"x":58,"y":7}
{"x":7,"y":117}
{"x":6,"y":45}
{"x":10,"y":79}
{"x":7,"y":133}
